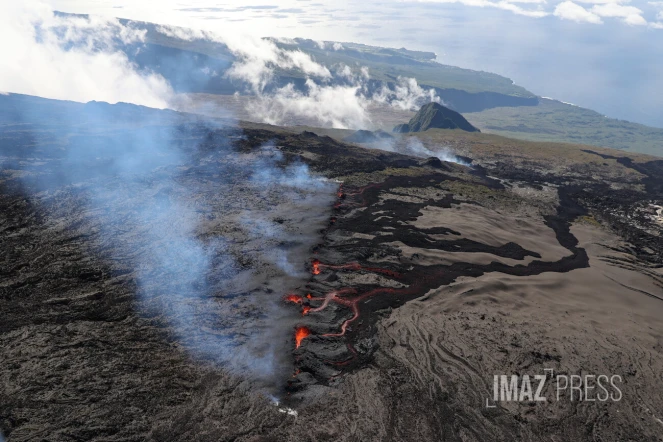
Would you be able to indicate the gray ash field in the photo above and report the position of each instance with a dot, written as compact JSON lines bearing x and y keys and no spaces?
{"x":255,"y":283}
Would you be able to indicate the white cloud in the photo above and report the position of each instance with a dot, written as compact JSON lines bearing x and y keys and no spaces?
{"x":344,"y":106}
{"x":629,"y":14}
{"x":328,"y":45}
{"x":335,"y":106}
{"x":80,"y":59}
{"x":537,"y":2}
{"x":659,"y":15}
{"x":504,"y":5}
{"x":571,"y":11}
{"x":566,"y":10}
{"x":320,"y":102}
{"x":257,"y":57}
{"x":507,"y":6}
{"x":603,"y":2}
{"x":72,"y":58}
{"x":406,"y":94}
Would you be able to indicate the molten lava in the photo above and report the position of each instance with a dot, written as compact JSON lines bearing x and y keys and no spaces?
{"x":318,"y":266}
{"x":300,"y":334}
{"x":296,"y":299}
{"x":305,"y":310}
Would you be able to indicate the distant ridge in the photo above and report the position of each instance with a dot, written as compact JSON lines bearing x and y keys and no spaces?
{"x":435,"y":116}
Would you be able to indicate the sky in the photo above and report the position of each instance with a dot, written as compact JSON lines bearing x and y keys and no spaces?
{"x":606,"y":55}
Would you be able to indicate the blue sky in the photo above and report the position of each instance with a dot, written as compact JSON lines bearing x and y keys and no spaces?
{"x":603,"y":54}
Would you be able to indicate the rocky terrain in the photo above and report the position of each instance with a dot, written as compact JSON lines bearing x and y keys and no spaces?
{"x":435,"y":116}
{"x":258,"y":283}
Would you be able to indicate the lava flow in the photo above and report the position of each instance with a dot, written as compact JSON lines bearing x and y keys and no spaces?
{"x":350,"y":302}
{"x":342,"y":196}
{"x":318,"y":266}
{"x":315,"y":267}
{"x":296,"y":299}
{"x":300,"y":334}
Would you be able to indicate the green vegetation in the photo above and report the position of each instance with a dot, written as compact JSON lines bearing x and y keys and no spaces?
{"x":555,"y":121}
{"x":588,"y":219}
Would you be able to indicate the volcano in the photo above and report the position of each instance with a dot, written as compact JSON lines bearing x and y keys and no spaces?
{"x":347,"y":293}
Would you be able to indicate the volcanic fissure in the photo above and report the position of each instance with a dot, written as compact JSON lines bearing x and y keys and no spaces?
{"x":337,"y":333}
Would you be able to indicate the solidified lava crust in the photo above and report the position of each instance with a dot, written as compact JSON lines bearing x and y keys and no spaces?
{"x":342,"y":319}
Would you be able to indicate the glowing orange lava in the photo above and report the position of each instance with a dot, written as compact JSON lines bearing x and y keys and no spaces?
{"x":305,"y":310}
{"x":293,"y":298}
{"x":316,"y":267}
{"x":300,"y":334}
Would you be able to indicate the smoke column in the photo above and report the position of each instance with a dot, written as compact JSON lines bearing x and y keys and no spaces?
{"x":415,"y":147}
{"x":136,"y":175}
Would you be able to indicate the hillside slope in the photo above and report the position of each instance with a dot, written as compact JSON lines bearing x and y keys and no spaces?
{"x":552,"y":120}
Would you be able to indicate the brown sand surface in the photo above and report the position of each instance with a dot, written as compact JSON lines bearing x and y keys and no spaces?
{"x":583,"y":321}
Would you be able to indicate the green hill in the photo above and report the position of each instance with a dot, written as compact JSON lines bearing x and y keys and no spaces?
{"x":555,"y":121}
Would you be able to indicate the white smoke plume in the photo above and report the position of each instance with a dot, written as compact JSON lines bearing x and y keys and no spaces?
{"x":406,"y":94}
{"x":342,"y":106}
{"x":415,"y":147}
{"x":331,"y":106}
{"x":143,"y":154}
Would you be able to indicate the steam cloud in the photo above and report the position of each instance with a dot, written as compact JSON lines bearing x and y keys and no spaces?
{"x":72,"y":58}
{"x":338,"y":98}
{"x":415,"y":147}
{"x":138,"y":179}
{"x":85,"y":58}
{"x":82,"y":59}
{"x":330,"y":106}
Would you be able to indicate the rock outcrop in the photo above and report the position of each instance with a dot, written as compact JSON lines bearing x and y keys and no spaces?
{"x":435,"y":116}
